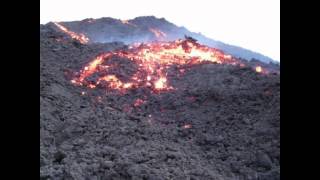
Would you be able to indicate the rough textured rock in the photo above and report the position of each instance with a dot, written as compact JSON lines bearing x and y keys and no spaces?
{"x":233,"y":113}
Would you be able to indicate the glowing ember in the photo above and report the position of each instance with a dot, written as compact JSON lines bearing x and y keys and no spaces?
{"x":114,"y":82}
{"x":92,"y":86}
{"x":80,"y":37}
{"x":186,"y":126}
{"x":227,"y":56}
{"x":90,"y":69}
{"x":159,"y":34}
{"x":259,"y":69}
{"x":73,"y":81}
{"x":152,"y":60}
{"x":99,"y":99}
{"x":161,"y":83}
{"x":138,"y":102}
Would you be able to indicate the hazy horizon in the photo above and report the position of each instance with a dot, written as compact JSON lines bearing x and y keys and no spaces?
{"x":249,"y":24}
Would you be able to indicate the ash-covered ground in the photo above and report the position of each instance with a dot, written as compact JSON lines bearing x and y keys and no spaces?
{"x":222,"y":122}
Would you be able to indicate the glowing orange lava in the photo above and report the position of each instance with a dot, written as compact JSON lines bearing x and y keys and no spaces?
{"x":138,"y":102}
{"x":152,"y":60}
{"x":161,"y":83}
{"x":80,"y":37}
{"x":114,"y":82}
{"x":259,"y":69}
{"x":242,"y":65}
{"x":186,"y":126}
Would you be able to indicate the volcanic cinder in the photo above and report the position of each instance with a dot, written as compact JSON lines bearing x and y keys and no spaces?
{"x":157,"y":110}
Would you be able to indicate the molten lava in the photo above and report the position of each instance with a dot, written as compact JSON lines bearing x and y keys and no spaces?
{"x":138,"y":102}
{"x":80,"y":37}
{"x":114,"y":82}
{"x":161,"y":83}
{"x":259,"y":69}
{"x":152,"y":61}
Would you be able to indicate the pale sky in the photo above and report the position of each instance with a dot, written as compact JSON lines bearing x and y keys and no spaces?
{"x":251,"y":24}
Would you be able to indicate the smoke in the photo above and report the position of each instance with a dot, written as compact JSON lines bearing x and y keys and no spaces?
{"x":106,"y":30}
{"x":140,"y":38}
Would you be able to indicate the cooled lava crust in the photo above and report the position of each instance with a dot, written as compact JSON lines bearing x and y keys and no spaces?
{"x":219,"y":121}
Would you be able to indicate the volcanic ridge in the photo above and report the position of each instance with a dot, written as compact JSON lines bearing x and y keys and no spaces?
{"x":137,"y":100}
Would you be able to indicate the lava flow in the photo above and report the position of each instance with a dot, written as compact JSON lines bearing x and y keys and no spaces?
{"x":259,"y":69}
{"x":152,"y":62}
{"x":80,"y":37}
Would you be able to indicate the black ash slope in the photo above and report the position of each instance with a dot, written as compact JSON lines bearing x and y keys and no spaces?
{"x":222,"y":123}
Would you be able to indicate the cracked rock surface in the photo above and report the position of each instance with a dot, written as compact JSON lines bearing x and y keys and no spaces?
{"x":223,"y":123}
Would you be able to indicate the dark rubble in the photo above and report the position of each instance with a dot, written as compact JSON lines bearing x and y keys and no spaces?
{"x":222,"y":122}
{"x":108,"y":29}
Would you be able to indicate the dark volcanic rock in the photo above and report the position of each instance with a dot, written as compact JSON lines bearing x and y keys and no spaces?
{"x":138,"y":30}
{"x":222,"y":123}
